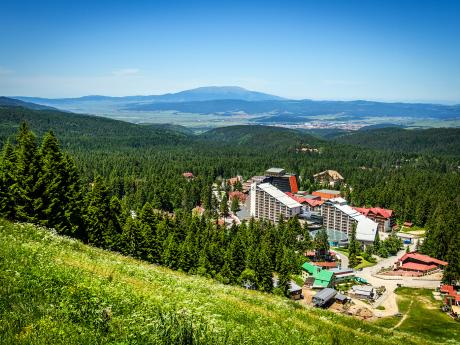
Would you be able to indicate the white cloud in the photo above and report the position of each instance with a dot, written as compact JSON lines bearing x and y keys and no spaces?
{"x":125,"y":72}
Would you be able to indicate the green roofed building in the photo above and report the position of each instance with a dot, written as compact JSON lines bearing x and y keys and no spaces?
{"x":323,"y":279}
{"x":317,"y":277}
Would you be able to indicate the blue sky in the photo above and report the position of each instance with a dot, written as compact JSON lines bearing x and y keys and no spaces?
{"x":380,"y":50}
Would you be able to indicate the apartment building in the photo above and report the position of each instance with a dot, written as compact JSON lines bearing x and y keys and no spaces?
{"x":268,"y":202}
{"x":339,"y":216}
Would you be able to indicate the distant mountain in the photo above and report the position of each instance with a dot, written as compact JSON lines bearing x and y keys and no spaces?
{"x":269,"y":109}
{"x":12,"y":102}
{"x":208,"y":93}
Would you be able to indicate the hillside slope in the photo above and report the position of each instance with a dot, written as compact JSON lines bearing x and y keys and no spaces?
{"x":261,"y":136}
{"x":444,"y":141}
{"x":56,"y":290}
{"x":12,"y":102}
{"x":88,"y":130}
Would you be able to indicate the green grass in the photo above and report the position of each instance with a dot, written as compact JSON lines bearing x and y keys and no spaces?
{"x":423,"y":317}
{"x":362,"y":264}
{"x":55,"y":290}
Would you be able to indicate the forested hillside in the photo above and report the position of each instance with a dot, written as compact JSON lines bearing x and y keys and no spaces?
{"x":436,"y":141}
{"x":83,"y":131}
{"x":421,"y":188}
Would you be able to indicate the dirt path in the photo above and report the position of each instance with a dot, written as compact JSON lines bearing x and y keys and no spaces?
{"x":404,"y":316}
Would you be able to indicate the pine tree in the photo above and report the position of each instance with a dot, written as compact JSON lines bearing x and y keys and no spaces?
{"x":7,"y":182}
{"x":50,"y":209}
{"x":264,"y":272}
{"x":321,"y":243}
{"x":224,"y":206}
{"x":98,"y":213}
{"x":27,"y":174}
{"x":353,"y":249}
{"x":284,"y":273}
{"x":235,"y":205}
{"x":131,"y":238}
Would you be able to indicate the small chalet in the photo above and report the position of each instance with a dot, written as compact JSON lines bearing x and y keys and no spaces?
{"x":330,"y":177}
{"x":382,"y":216}
{"x":419,"y":263}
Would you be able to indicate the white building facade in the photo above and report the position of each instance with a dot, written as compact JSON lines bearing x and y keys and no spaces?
{"x":268,"y":202}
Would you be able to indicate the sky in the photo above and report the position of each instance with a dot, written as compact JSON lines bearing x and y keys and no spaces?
{"x":338,"y":50}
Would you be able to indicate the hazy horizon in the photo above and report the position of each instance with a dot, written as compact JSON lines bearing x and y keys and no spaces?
{"x":396,"y":51}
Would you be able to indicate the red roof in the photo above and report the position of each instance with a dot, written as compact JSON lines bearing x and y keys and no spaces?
{"x":302,"y":200}
{"x":418,"y":267}
{"x":385,"y":213}
{"x":447,"y":289}
{"x":237,"y":194}
{"x":325,"y":264}
{"x":423,"y":258}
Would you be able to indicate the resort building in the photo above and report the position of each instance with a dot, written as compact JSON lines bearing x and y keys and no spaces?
{"x":326,"y":194}
{"x":329,"y":177}
{"x":338,"y":216}
{"x":268,"y":202}
{"x":419,"y":263}
{"x":281,"y":180}
{"x":382,"y":216}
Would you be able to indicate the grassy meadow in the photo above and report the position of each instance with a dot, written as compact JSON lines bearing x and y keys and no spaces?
{"x":56,"y":290}
{"x":421,"y":315}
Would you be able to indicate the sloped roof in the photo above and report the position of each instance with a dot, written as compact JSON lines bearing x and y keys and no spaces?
{"x":384,"y":212}
{"x":278,"y":195}
{"x":366,"y":230}
{"x":332,"y":173}
{"x":417,"y":267}
{"x":303,"y":200}
{"x":421,"y":257}
{"x":309,"y":267}
{"x":324,"y":275}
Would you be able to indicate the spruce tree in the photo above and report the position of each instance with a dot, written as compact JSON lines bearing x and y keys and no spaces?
{"x":27,"y":174}
{"x":224,"y":206}
{"x":264,"y":271}
{"x":8,"y":182}
{"x":235,"y":205}
{"x":353,"y":248}
{"x":50,"y":209}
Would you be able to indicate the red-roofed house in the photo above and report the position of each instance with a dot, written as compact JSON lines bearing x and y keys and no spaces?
{"x":382,"y":216}
{"x":416,"y":262}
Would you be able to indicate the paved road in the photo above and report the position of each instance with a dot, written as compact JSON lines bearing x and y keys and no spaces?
{"x":388,"y":299}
